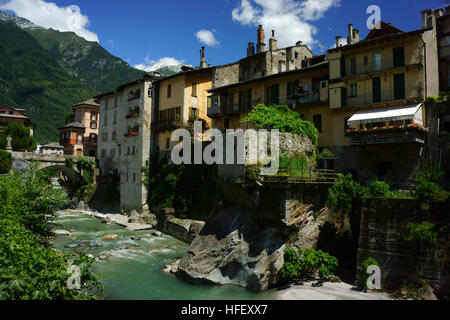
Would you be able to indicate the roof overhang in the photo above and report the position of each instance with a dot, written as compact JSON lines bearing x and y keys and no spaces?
{"x":413,"y":112}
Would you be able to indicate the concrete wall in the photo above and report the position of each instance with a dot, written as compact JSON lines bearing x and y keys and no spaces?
{"x":382,"y":225}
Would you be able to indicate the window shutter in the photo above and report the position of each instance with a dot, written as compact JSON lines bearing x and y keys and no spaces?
{"x":289,"y":89}
{"x":240,"y":98}
{"x":249,"y":98}
{"x":399,"y":86}
{"x":342,"y":67}
{"x":275,"y":94}
{"x":399,"y":57}
{"x":376,"y":88}
{"x":343,"y":97}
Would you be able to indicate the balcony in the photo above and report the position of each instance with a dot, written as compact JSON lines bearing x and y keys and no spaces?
{"x":215,"y":104}
{"x":163,"y":125}
{"x":388,"y":134}
{"x":366,"y":98}
{"x":133,"y":113}
{"x":132,"y":131}
{"x":382,"y":65}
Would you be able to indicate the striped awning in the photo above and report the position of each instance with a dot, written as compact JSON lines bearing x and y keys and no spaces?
{"x":413,"y":112}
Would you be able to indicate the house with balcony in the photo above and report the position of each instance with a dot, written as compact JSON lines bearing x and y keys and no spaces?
{"x":85,"y":124}
{"x":125,"y":138}
{"x":305,"y":90}
{"x":181,"y":98}
{"x":378,"y":86}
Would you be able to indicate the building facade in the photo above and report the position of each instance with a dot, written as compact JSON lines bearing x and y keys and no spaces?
{"x":52,"y":148}
{"x":182,"y":98}
{"x":125,"y":138}
{"x":80,"y":136}
{"x":71,"y":137}
{"x":9,"y":114}
{"x":378,"y":87}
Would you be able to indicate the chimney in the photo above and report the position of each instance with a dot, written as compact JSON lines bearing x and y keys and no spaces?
{"x":350,"y":34}
{"x":261,"y":46}
{"x":338,"y":39}
{"x":203,"y":63}
{"x":260,"y":34}
{"x":250,"y":49}
{"x":356,"y":35}
{"x":299,"y":43}
{"x":273,"y":42}
{"x":428,"y":19}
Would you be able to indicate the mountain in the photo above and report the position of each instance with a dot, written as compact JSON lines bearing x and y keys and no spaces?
{"x":46,"y":71}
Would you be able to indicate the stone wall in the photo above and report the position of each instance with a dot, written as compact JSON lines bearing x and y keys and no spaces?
{"x":225,"y":75}
{"x":381,"y":237}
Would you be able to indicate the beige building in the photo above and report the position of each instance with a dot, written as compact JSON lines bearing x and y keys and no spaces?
{"x":125,"y":137}
{"x":181,"y":98}
{"x":52,"y":148}
{"x":80,"y":136}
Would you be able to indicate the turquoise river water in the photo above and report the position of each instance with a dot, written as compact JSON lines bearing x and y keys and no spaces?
{"x":133,"y":270}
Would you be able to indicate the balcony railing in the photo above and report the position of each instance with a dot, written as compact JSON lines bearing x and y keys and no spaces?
{"x":383,"y":64}
{"x":388,"y":135}
{"x":166,"y":124}
{"x":365,"y":98}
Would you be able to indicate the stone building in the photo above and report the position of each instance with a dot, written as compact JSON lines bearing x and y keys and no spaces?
{"x":440,"y":20}
{"x":261,"y":61}
{"x":125,"y":138}
{"x":9,"y":114}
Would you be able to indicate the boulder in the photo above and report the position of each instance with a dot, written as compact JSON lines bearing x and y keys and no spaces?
{"x":62,"y":233}
{"x":172,"y":268}
{"x":105,"y":257}
{"x":156,"y":233}
{"x":231,"y":249}
{"x":110,"y":237}
{"x":134,"y":217}
{"x":80,"y":205}
{"x":135,"y":238}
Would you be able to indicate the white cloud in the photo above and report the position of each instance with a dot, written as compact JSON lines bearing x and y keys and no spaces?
{"x":207,"y":37}
{"x":49,"y":15}
{"x":289,"y":18}
{"x":153,"y":65}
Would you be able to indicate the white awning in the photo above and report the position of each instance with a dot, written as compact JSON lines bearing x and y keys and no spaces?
{"x":413,"y":112}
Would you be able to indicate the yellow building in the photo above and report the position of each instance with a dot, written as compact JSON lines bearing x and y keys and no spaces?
{"x":181,"y":97}
{"x":378,"y":87}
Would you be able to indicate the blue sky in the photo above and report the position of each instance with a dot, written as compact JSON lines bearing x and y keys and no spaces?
{"x":143,"y":32}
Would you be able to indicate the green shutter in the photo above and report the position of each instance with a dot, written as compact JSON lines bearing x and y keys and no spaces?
{"x":249,"y":98}
{"x":376,"y":89}
{"x":342,"y":67}
{"x":399,"y":86}
{"x":399,"y":57}
{"x":343,"y":97}
{"x":275,"y":94}
{"x":289,"y":89}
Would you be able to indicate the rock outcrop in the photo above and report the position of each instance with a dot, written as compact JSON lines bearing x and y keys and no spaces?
{"x":231,"y":249}
{"x":183,"y":229}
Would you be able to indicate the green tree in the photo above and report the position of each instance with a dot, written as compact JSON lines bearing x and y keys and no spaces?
{"x":5,"y":161}
{"x":283,"y":119}
{"x":21,"y":138}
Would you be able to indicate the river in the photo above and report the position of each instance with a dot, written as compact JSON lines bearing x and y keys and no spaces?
{"x":133,"y":271}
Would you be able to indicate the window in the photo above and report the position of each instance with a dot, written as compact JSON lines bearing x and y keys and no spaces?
{"x":115,"y":101}
{"x":93,"y":116}
{"x":168,"y":143}
{"x":352,"y":66}
{"x":103,"y":153}
{"x":376,"y":61}
{"x":291,"y":88}
{"x":399,"y":57}
{"x":366,"y":60}
{"x":194,"y":89}
{"x":80,"y":139}
{"x":79,"y":116}
{"x":120,"y":150}
{"x":150,"y":92}
{"x":194,"y":112}
{"x":112,"y":153}
{"x":105,"y":120}
{"x":399,"y":86}
{"x":169,"y":91}
{"x":376,"y":89}
{"x":114,"y":136}
{"x":93,"y":137}
{"x":115,"y":117}
{"x":127,"y":176}
{"x":105,"y":137}
{"x":134,"y":177}
{"x":353,"y":89}
{"x":323,"y":84}
{"x":106,"y":103}
{"x":317,"y":120}
{"x":296,"y":55}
